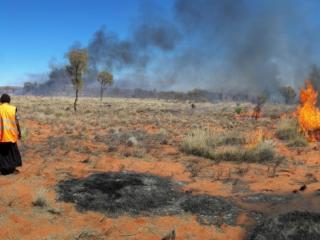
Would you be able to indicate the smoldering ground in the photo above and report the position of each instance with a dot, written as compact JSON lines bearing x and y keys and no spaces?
{"x":212,"y":44}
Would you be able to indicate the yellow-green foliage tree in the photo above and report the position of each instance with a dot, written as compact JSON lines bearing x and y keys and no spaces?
{"x":78,"y":62}
{"x":105,"y":79}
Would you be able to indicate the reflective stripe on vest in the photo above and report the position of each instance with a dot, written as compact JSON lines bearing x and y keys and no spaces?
{"x":9,"y":121}
{"x":8,"y":126}
{"x":4,"y":127}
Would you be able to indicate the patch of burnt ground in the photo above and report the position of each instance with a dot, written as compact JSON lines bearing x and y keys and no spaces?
{"x":289,"y":226}
{"x":262,"y":198}
{"x":211,"y":210}
{"x":116,"y":194}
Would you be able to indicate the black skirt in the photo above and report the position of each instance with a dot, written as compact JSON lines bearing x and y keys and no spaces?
{"x":10,"y":157}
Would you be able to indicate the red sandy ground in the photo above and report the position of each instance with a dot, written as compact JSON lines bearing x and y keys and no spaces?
{"x":20,"y":220}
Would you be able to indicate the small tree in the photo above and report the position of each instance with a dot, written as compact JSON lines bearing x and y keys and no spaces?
{"x":78,"y":61}
{"x":105,"y":79}
{"x":262,"y":99}
{"x":288,"y":93}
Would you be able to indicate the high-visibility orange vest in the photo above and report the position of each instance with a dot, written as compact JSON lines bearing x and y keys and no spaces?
{"x":8,"y":126}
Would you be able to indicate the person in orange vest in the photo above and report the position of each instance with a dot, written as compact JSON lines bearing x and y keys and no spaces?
{"x":10,"y":132}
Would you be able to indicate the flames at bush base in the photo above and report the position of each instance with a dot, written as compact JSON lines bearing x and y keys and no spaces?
{"x":308,"y":113}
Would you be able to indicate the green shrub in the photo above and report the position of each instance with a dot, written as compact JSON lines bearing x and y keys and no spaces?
{"x":238,"y":110}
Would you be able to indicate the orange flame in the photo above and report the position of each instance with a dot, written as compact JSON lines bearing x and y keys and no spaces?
{"x":308,"y":113}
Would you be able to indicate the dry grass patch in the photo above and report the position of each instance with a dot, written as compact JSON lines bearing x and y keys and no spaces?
{"x":41,"y":200}
{"x":227,"y":147}
{"x":199,"y":142}
{"x":288,"y":130}
{"x":88,"y":234}
{"x":261,"y":153}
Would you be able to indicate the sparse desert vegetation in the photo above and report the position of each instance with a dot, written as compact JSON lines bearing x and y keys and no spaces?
{"x":160,"y":120}
{"x":196,"y":162}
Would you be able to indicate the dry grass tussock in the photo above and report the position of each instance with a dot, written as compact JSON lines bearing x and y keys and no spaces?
{"x":40,"y":199}
{"x":288,"y":130}
{"x":227,"y":147}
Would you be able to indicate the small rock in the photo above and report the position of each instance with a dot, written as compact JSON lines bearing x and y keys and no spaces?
{"x":132,"y":141}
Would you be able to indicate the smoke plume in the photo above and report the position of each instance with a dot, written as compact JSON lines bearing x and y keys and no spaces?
{"x":242,"y":45}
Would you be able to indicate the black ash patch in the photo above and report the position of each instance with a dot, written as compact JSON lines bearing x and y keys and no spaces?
{"x":121,"y":193}
{"x":270,"y":198}
{"x":116,"y":194}
{"x":290,"y":226}
{"x":211,"y":210}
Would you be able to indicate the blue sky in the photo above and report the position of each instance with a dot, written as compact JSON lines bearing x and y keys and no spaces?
{"x":34,"y":32}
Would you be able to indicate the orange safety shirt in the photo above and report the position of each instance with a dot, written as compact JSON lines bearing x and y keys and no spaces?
{"x":8,"y":125}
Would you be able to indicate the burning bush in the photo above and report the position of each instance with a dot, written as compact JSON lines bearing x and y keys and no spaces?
{"x":308,"y":113}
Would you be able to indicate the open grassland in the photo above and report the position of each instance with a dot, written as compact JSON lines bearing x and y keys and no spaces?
{"x":211,"y":150}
